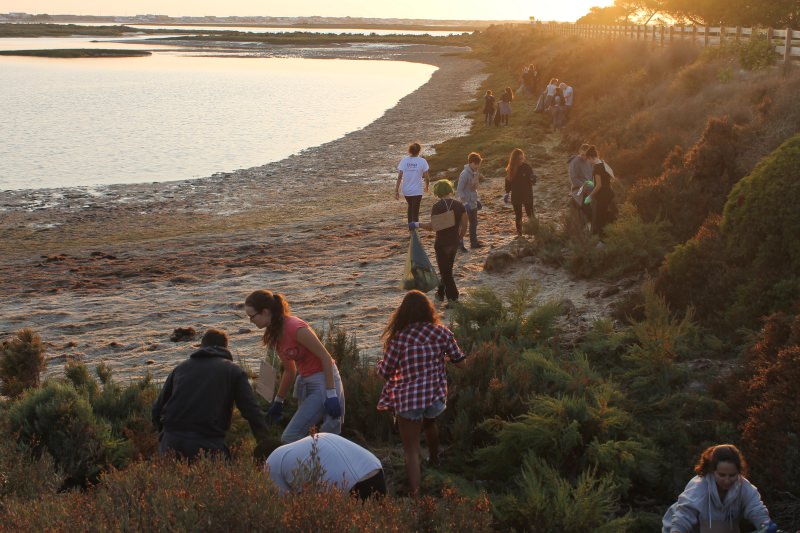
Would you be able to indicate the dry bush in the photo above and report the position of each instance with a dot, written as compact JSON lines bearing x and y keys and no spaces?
{"x":21,"y":363}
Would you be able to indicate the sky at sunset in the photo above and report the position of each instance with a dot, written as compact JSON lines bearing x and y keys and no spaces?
{"x":563,"y":10}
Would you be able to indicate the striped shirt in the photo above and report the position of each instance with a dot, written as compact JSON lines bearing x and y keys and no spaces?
{"x":414,"y":367}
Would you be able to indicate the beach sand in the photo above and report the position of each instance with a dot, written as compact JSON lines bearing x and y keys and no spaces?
{"x":107,"y":273}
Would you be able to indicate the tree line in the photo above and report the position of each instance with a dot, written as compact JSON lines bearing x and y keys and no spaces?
{"x":770,"y":13}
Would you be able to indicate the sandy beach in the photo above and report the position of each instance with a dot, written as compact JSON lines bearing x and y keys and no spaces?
{"x":108,"y":273}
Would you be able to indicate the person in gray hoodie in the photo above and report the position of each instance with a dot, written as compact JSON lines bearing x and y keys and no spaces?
{"x":580,"y":172}
{"x":467,"y":194}
{"x":718,"y":497}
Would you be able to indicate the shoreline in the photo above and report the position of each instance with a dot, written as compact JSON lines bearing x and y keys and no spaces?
{"x":107,"y":273}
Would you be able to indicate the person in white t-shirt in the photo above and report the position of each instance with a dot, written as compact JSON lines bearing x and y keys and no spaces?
{"x":341,"y":462}
{"x":412,"y":171}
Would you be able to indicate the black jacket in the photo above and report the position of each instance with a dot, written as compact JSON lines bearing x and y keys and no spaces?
{"x":521,"y":182}
{"x":199,"y":394}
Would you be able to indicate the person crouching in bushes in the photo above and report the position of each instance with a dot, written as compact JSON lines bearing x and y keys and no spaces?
{"x":417,"y":347}
{"x":717,"y":497}
{"x":193,"y":411}
{"x":318,"y":387}
{"x":520,"y":179}
{"x":601,"y":198}
{"x":342,"y":464}
{"x":447,"y":239}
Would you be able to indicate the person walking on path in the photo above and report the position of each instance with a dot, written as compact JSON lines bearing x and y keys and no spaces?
{"x":193,"y":411}
{"x":417,"y":347}
{"x":504,"y":107}
{"x":718,"y":497}
{"x":602,"y":196}
{"x":412,"y":171}
{"x":318,"y":387}
{"x":447,"y":238}
{"x":467,"y":194}
{"x":488,"y":108}
{"x":343,"y":464}
{"x":520,"y":180}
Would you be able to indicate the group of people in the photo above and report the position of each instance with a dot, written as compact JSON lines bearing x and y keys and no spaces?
{"x":528,"y":79}
{"x":497,"y":111}
{"x":458,"y":206}
{"x":193,"y":411}
{"x":556,"y":100}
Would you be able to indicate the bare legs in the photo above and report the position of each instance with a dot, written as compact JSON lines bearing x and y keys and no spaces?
{"x":409,"y":434}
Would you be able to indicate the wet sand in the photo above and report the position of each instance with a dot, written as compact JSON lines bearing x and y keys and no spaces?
{"x":107,"y":273}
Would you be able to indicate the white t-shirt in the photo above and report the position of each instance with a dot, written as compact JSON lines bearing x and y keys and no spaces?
{"x":412,"y":168}
{"x":568,"y":95}
{"x":345,"y":463}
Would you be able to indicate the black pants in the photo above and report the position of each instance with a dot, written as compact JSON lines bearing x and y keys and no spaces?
{"x":413,"y":207}
{"x":445,"y":258}
{"x":518,"y":204}
{"x":601,"y":215}
{"x":188,"y":445}
{"x":372,"y":486}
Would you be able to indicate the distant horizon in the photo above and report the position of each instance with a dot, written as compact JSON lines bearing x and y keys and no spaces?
{"x":472,"y":10}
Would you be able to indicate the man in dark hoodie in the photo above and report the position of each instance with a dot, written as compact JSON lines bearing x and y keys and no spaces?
{"x":193,"y":411}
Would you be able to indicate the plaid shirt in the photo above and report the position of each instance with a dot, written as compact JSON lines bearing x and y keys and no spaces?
{"x":414,"y":367}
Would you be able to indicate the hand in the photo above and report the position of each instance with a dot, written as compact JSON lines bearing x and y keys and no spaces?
{"x":506,"y":198}
{"x":588,"y":200}
{"x":590,"y":184}
{"x":332,"y":407}
{"x":413,"y":225}
{"x":275,"y":412}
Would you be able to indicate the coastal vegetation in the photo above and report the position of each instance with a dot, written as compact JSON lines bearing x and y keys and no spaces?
{"x":547,"y":431}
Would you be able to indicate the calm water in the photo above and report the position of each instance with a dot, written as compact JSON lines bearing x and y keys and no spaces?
{"x":76,"y":122}
{"x":254,"y":29}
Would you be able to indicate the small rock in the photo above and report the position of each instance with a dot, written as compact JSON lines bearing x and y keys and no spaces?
{"x":498,"y":261}
{"x":150,"y":362}
{"x":243,"y":331}
{"x":567,"y":307}
{"x":183,"y":334}
{"x":593,"y":293}
{"x":609,"y":291}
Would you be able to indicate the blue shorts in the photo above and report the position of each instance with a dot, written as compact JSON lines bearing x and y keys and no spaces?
{"x":430,"y":412}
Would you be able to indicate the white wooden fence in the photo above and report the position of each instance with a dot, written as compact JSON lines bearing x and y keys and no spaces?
{"x":786,"y":42}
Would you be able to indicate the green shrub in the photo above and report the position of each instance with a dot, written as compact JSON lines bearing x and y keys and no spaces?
{"x":57,"y":419}
{"x":21,"y":363}
{"x":756,"y":53}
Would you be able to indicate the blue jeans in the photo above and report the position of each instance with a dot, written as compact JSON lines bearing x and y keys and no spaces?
{"x":430,"y":412}
{"x":472,"y":215}
{"x":310,"y":394}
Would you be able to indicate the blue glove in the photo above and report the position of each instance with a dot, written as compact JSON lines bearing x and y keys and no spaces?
{"x":332,"y":407}
{"x":413,"y":225}
{"x":588,"y":200}
{"x":506,"y":198}
{"x":275,"y":412}
{"x":769,"y":527}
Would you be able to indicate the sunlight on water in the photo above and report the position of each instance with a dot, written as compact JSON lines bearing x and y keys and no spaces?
{"x":169,"y":117}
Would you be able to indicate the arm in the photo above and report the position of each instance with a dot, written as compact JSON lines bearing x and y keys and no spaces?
{"x":454,"y":353}
{"x":163,"y":398}
{"x":397,"y":185}
{"x":685,"y":513}
{"x":308,"y":340}
{"x":598,"y":184}
{"x":247,"y":404}
{"x":387,"y":366}
{"x":287,"y":377}
{"x":427,"y":178}
{"x":754,"y":509}
{"x":462,"y":227}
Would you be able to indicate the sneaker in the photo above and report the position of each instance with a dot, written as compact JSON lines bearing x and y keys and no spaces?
{"x":439,"y":296}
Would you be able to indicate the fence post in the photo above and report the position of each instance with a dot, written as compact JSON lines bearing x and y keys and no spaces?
{"x":738,"y":33}
{"x":705,"y":36}
{"x":787,"y":50}
{"x":671,"y":32}
{"x":721,"y":35}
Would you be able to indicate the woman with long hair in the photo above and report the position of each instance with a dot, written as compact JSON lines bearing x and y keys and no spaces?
{"x":504,"y":107}
{"x":601,"y":199}
{"x":488,"y":108}
{"x":520,"y":179}
{"x":317,"y":385}
{"x":417,"y":347}
{"x":717,"y":497}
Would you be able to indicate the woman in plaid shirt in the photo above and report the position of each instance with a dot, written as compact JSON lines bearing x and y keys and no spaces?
{"x":417,"y":348}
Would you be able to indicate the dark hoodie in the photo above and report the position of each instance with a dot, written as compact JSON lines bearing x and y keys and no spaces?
{"x":199,"y":394}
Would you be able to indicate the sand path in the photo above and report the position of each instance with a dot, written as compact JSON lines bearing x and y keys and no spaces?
{"x":108,"y":273}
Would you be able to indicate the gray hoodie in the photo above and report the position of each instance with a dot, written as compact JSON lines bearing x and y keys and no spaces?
{"x":466,"y":190}
{"x":699,"y":508}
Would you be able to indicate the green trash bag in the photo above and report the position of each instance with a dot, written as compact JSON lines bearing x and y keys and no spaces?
{"x":419,"y":272}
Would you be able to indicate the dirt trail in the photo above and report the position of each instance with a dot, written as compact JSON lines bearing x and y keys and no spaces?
{"x":335,"y":249}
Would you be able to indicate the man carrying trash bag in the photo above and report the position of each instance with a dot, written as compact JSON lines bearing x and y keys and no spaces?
{"x":449,"y":221}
